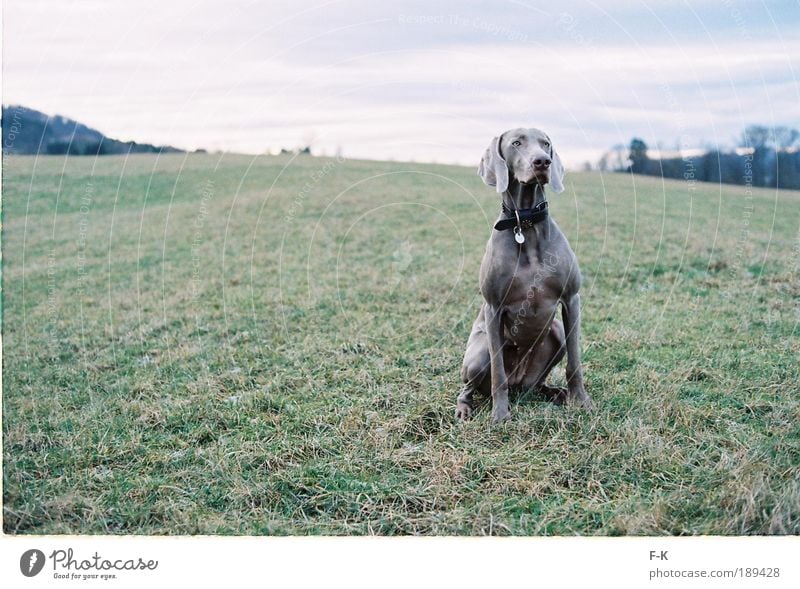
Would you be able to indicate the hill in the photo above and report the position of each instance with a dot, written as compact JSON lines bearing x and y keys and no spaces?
{"x":271,"y":345}
{"x":30,"y":132}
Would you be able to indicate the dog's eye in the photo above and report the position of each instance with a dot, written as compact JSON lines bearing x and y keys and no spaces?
{"x":516,"y":143}
{"x":546,"y":144}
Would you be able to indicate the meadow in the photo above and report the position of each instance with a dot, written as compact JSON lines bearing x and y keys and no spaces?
{"x":207,"y":344}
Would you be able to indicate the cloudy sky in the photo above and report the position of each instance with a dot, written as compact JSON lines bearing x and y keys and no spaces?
{"x":407,"y":80}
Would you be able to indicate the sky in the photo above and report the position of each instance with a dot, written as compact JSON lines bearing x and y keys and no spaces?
{"x":407,"y":80}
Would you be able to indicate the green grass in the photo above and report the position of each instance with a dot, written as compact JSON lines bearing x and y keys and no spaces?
{"x":179,"y":358}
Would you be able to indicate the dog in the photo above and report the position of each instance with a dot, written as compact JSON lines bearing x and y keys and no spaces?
{"x":527,"y":270}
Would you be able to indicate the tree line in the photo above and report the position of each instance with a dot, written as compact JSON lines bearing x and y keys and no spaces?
{"x":765,"y":156}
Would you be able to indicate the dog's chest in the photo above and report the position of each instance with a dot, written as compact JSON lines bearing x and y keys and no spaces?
{"x":526,"y":281}
{"x":525,"y":270}
{"x":534,"y":282}
{"x":530,"y":304}
{"x":526,"y":285}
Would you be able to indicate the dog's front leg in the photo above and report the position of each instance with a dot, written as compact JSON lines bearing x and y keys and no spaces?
{"x":571,"y":313}
{"x":494,"y":329}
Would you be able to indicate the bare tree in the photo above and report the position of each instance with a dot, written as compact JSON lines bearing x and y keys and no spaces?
{"x":784,"y":137}
{"x":755,"y":136}
{"x":759,"y":137}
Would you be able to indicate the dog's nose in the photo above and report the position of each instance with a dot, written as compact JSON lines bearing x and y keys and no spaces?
{"x":542,"y":162}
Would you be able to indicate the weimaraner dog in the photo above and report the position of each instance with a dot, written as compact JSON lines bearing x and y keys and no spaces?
{"x":527,"y":270}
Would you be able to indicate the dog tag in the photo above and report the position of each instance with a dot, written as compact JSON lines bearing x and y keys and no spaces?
{"x":518,"y":235}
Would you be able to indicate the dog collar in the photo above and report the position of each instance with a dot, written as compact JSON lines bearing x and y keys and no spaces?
{"x":519,"y":219}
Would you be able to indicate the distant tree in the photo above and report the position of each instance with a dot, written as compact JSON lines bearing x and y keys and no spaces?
{"x":784,"y":137}
{"x":617,"y":158}
{"x":759,"y":138}
{"x":309,"y":137}
{"x":718,"y":166}
{"x":755,"y":137}
{"x":637,"y":156}
{"x":788,"y":169}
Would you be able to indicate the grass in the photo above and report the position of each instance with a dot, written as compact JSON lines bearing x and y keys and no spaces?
{"x":227,"y":345}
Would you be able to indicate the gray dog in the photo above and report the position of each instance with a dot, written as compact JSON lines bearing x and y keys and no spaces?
{"x":527,"y":270}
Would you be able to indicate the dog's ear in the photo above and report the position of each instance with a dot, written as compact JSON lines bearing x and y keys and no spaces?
{"x":556,"y":171}
{"x":492,"y":169}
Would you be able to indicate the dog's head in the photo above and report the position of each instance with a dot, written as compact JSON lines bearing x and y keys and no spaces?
{"x":527,"y":155}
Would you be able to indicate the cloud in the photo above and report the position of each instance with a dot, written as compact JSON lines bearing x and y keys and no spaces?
{"x":418,"y":80}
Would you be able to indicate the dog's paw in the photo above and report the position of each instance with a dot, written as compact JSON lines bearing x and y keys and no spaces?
{"x":501,"y":414}
{"x":581,"y":400}
{"x":463,"y":411}
{"x":556,"y":395}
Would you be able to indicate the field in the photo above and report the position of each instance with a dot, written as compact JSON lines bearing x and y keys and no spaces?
{"x":234,"y":345}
